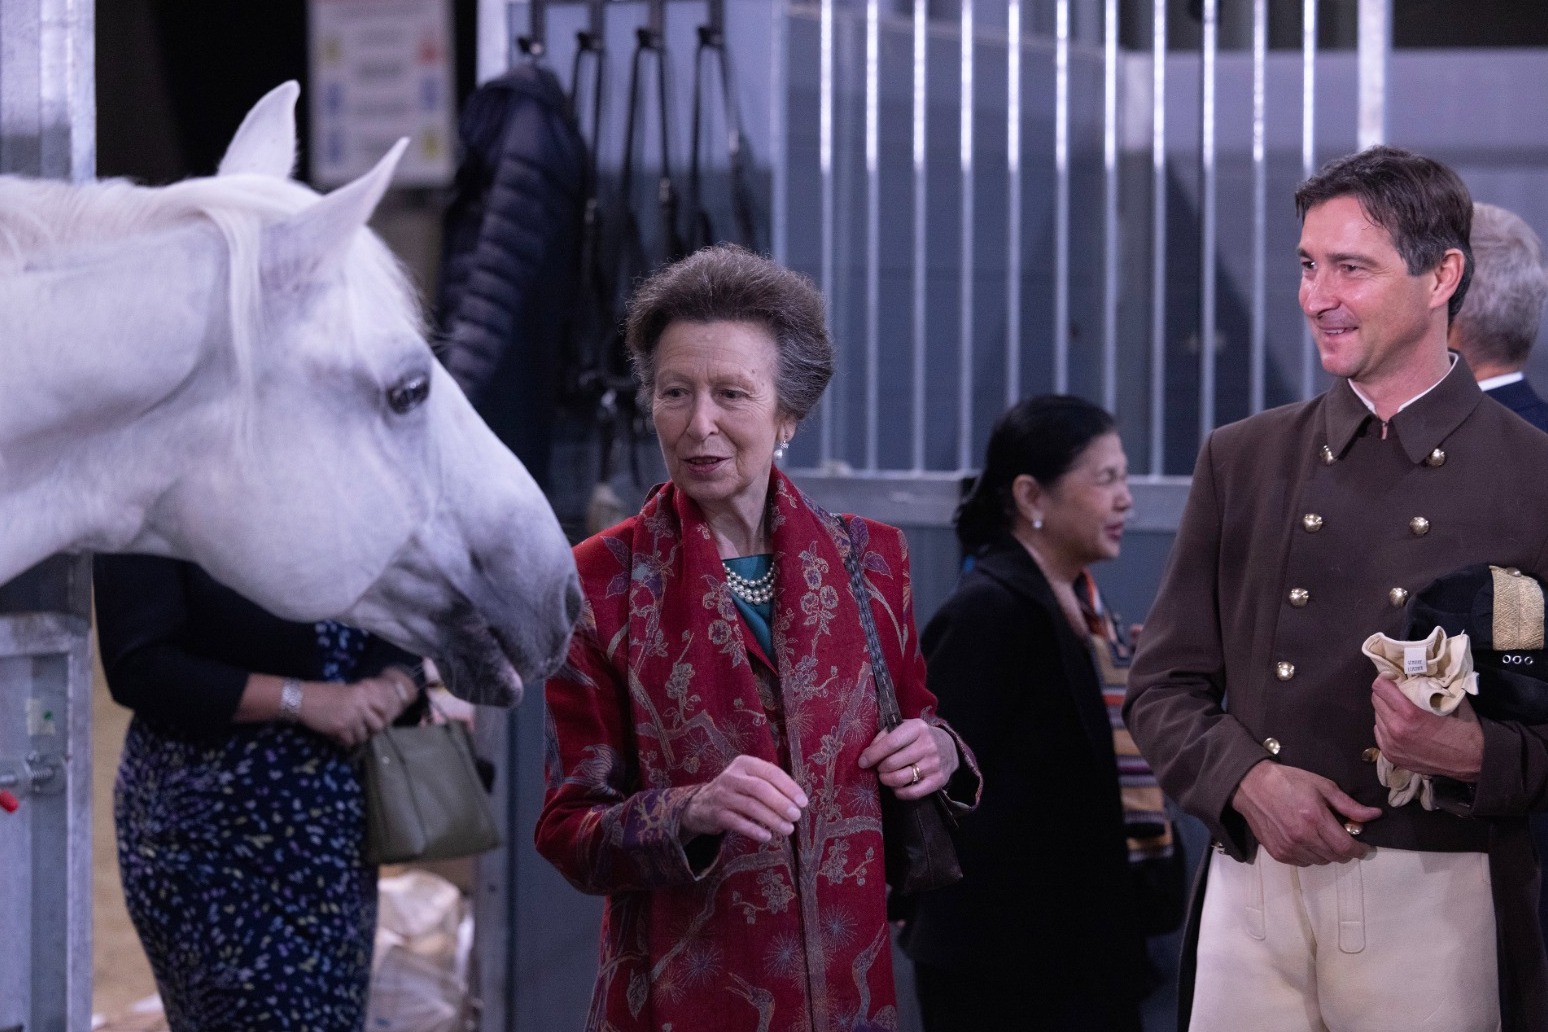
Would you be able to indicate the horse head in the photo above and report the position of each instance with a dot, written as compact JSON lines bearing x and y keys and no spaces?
{"x":354,"y":480}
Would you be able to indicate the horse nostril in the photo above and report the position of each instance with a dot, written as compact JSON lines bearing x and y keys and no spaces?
{"x":572,"y":598}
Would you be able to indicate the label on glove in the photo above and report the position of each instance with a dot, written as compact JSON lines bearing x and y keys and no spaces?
{"x":1414,"y":661}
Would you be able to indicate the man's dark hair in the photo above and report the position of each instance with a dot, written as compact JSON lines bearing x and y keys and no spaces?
{"x":1423,"y":205}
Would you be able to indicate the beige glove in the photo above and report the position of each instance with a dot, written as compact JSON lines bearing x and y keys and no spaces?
{"x":1435,"y":674}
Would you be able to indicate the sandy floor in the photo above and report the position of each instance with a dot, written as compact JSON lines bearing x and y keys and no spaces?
{"x":120,"y":974}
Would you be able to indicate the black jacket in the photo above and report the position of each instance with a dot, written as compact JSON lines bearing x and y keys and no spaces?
{"x":1046,"y":891}
{"x":177,"y":645}
{"x":510,"y":257}
{"x":1521,"y":399}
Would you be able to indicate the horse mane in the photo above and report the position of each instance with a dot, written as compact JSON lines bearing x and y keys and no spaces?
{"x":42,"y":220}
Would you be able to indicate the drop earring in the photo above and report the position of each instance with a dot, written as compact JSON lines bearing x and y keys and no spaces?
{"x":779,"y":450}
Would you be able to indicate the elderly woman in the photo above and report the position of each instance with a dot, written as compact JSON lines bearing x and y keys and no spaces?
{"x":716,"y":765}
{"x":1045,"y":930}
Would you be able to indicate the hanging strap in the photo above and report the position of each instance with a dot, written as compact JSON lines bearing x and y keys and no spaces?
{"x":886,"y":695}
{"x":712,"y":44}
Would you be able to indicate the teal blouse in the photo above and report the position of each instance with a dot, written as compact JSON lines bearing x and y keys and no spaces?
{"x":757,"y":618}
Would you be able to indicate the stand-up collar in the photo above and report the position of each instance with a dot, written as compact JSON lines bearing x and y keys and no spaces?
{"x":1420,"y":428}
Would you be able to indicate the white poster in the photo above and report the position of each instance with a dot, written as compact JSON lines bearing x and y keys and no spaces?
{"x":382,"y":69}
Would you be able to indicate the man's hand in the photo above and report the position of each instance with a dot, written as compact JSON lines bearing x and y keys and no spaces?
{"x":1299,"y":816}
{"x":1417,"y":740}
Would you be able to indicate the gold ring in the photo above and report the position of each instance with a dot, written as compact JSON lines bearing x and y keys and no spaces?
{"x":916,"y":773}
{"x":1353,"y":827}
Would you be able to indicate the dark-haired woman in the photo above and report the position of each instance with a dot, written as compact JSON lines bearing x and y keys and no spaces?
{"x":1041,"y":932}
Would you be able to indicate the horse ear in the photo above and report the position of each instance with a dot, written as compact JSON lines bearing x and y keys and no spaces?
{"x":322,"y":233}
{"x":265,"y":142}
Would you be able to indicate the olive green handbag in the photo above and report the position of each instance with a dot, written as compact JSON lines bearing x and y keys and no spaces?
{"x":423,"y":796}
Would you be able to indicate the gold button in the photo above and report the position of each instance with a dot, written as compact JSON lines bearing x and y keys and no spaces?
{"x":1272,"y":745}
{"x":1299,"y":597}
{"x":1419,"y":525}
{"x":1284,"y":671}
{"x":1327,"y":455}
{"x":1397,"y":596}
{"x":1371,"y":754}
{"x":1312,"y":522}
{"x":1435,"y":458}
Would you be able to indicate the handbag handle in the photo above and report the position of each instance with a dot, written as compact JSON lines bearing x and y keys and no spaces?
{"x":886,"y":695}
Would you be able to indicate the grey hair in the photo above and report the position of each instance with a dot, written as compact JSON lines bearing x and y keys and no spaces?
{"x":732,"y":284}
{"x":1499,"y":320}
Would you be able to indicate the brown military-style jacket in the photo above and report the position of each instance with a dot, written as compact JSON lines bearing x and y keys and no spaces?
{"x":1306,"y":530}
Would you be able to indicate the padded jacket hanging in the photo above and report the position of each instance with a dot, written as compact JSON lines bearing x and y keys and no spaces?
{"x":509,"y":262}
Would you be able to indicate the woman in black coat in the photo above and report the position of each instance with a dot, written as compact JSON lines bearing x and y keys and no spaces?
{"x":1041,"y":933}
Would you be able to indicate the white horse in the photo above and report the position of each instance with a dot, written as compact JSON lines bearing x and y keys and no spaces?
{"x":233,"y":370}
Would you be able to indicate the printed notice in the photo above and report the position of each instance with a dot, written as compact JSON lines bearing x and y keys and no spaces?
{"x":381,"y":70}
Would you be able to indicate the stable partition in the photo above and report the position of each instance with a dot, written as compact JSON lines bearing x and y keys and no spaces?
{"x":47,"y":128}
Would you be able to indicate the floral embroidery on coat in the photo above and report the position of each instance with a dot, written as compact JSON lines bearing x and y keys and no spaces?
{"x":663,"y":687}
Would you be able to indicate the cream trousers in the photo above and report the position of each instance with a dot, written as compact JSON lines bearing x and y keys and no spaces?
{"x":1401,"y":941}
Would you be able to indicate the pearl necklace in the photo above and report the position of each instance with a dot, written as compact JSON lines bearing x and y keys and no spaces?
{"x":753,"y":592}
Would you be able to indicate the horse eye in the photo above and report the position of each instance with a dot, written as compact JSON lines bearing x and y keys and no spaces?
{"x":408,"y":393}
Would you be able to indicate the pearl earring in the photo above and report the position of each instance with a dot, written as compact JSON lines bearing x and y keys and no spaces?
{"x":1037,"y":523}
{"x":779,"y":450}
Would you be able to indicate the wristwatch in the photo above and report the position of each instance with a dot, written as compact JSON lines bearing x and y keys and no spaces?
{"x":290,"y":700}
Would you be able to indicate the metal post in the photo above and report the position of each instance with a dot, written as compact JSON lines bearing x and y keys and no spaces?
{"x":1061,"y":316}
{"x":872,"y":229}
{"x":965,"y":270}
{"x":1110,"y":206}
{"x":1158,"y":239}
{"x":48,"y":127}
{"x":1375,"y":48}
{"x":1257,"y":343}
{"x":1207,"y":245}
{"x":1308,"y":161}
{"x":1013,"y":204}
{"x":826,"y":100}
{"x":921,"y":59}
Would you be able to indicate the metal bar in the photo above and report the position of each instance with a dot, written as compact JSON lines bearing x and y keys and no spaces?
{"x":1308,"y":161}
{"x":1208,"y":185}
{"x":1158,"y":238}
{"x":779,"y":161}
{"x":1375,"y":47}
{"x":826,"y":95}
{"x":921,"y":39}
{"x":872,"y":230}
{"x":965,"y":320}
{"x":1013,"y":204}
{"x":1110,"y":206}
{"x":1257,"y":337}
{"x":1061,"y":315}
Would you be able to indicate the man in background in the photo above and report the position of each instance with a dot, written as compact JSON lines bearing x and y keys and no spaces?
{"x":1499,"y":320}
{"x":1494,"y":331}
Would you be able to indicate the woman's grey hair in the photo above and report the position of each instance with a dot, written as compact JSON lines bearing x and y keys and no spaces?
{"x":730,"y":283}
{"x":1500,"y":317}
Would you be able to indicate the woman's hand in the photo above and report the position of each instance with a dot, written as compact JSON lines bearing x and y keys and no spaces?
{"x":751,"y":797}
{"x":351,"y":713}
{"x":913,"y":759}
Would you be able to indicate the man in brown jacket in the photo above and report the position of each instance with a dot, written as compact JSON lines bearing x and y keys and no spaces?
{"x":1306,"y":530}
